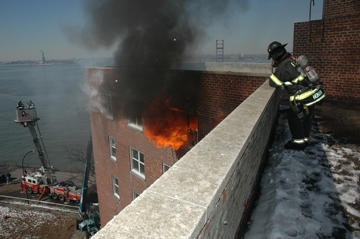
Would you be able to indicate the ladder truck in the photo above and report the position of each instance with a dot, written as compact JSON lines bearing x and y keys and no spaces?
{"x":26,"y":115}
{"x":42,"y":181}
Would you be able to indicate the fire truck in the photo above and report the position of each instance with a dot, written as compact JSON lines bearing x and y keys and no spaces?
{"x":42,"y":181}
{"x":33,"y":183}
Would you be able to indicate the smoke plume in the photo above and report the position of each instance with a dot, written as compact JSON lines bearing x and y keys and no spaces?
{"x":152,"y":37}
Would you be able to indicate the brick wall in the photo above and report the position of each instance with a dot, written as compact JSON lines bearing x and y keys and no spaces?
{"x":217,"y":96}
{"x":332,"y":47}
{"x":336,"y":8}
{"x":220,"y":94}
{"x":106,"y":168}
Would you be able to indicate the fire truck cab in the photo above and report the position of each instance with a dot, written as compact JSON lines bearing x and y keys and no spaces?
{"x":34,"y":182}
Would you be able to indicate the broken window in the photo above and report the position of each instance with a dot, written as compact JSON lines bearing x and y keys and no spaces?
{"x":135,"y":123}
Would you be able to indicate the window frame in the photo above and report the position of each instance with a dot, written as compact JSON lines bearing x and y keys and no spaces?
{"x":111,"y":146}
{"x":137,"y":124}
{"x":115,"y":185}
{"x":139,"y":163}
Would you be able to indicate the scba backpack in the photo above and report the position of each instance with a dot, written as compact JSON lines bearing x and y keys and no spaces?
{"x":307,"y":71}
{"x":313,"y":93}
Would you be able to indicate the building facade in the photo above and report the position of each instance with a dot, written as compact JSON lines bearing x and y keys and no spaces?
{"x":127,"y":161}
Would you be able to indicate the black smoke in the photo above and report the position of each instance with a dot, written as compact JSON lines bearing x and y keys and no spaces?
{"x":153,"y":37}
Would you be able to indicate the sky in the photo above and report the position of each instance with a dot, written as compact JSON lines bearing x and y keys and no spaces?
{"x":28,"y":26}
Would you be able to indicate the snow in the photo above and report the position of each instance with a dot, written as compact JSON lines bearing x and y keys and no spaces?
{"x":313,"y":193}
{"x":41,"y":206}
{"x":19,"y":219}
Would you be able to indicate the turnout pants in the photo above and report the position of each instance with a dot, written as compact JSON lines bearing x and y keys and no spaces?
{"x":300,"y":122}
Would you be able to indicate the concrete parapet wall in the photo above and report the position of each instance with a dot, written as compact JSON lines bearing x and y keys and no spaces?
{"x":205,"y":193}
{"x":245,"y":68}
{"x":250,"y":68}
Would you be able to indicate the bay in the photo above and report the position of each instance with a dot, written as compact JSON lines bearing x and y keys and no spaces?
{"x":56,"y":90}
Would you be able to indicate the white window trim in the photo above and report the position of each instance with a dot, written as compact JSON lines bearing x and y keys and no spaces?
{"x":117,"y":195}
{"x":134,"y":171}
{"x":112,"y":157}
{"x":135,"y":126}
{"x":165,"y":165}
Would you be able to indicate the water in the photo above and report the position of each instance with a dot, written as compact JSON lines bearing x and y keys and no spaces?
{"x":56,"y":90}
{"x":61,"y":105}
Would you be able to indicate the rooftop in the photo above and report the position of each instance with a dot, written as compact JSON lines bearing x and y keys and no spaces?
{"x":317,"y":188}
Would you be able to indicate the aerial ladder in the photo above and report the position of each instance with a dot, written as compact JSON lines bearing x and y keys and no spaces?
{"x":26,"y":115}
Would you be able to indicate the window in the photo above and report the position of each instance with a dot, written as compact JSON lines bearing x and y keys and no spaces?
{"x":165,"y":167}
{"x":116,"y":187}
{"x":112,"y":144}
{"x":137,"y":162}
{"x":135,"y":195}
{"x":136,"y":123}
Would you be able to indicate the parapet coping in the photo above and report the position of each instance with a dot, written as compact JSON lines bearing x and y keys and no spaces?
{"x":181,"y":201}
{"x":201,"y":71}
{"x":237,"y":73}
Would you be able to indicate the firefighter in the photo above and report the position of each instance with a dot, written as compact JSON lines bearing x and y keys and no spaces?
{"x":303,"y":93}
{"x":20,"y":105}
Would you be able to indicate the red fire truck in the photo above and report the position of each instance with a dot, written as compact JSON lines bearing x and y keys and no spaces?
{"x":42,"y":181}
{"x":33,"y":183}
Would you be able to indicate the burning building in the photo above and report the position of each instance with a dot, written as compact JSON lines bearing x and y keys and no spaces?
{"x":135,"y":140}
{"x":145,"y":116}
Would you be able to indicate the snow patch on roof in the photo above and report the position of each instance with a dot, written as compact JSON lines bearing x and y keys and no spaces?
{"x":308,"y":194}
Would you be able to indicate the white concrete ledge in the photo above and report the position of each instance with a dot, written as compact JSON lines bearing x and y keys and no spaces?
{"x":205,"y":193}
{"x":233,"y":68}
{"x":241,"y":67}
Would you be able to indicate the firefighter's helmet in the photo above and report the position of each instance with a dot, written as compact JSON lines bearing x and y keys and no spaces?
{"x":275,"y":47}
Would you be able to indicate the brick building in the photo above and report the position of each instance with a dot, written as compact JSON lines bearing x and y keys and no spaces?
{"x":127,"y":161}
{"x":332,"y":46}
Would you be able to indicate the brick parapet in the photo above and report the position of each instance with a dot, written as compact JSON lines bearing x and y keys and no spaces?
{"x":338,"y":8}
{"x":332,"y":48}
{"x":220,"y":94}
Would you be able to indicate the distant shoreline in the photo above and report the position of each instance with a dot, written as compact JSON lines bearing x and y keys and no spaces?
{"x":28,"y":62}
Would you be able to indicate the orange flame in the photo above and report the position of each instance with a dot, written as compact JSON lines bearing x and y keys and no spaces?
{"x":167,"y":126}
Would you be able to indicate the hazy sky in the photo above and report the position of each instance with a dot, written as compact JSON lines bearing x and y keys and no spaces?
{"x":28,"y":26}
